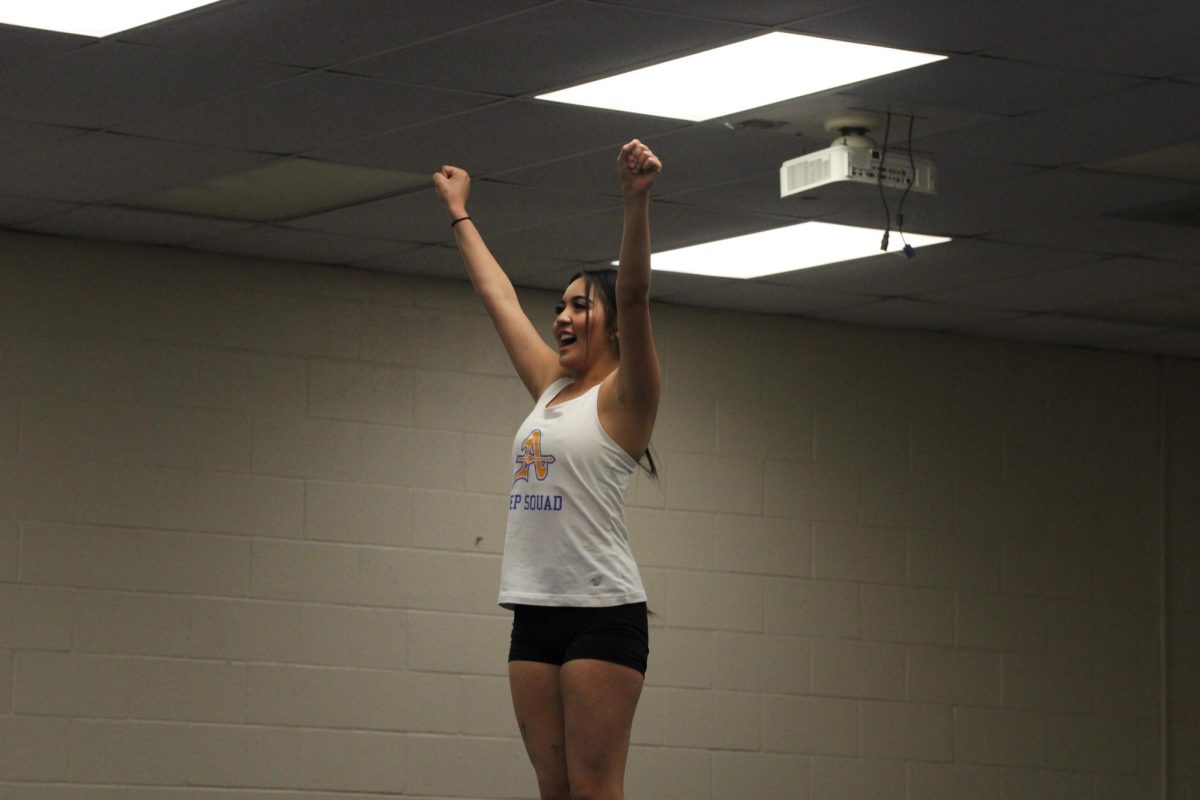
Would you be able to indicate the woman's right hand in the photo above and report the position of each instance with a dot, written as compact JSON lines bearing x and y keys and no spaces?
{"x":453,"y":187}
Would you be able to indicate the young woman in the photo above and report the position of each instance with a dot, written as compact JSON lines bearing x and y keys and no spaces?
{"x":580,"y":639}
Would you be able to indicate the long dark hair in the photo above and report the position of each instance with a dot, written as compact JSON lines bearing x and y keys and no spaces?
{"x":604,"y":283}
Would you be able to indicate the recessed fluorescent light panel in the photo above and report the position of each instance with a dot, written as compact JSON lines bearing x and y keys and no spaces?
{"x":91,"y":17}
{"x":809,"y":244}
{"x":755,"y":72}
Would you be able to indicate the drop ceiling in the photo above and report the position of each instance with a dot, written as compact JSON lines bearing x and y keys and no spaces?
{"x":1065,"y":133}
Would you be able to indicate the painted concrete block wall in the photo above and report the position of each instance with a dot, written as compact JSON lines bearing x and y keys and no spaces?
{"x":251,"y":517}
{"x":1183,"y":579}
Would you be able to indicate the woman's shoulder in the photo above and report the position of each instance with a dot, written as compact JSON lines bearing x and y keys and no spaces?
{"x":553,"y":389}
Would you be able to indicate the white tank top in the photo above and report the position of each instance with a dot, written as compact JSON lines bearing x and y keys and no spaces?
{"x":566,"y":542}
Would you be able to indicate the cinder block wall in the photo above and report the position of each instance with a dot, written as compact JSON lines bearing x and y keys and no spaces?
{"x":1182,"y":510}
{"x":251,"y":517}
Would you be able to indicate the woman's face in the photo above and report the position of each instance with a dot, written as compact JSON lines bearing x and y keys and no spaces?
{"x":579,"y":326}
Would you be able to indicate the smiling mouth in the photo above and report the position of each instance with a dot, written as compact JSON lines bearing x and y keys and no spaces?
{"x":566,"y":339}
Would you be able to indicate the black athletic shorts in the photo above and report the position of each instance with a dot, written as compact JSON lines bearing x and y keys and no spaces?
{"x":557,"y":634}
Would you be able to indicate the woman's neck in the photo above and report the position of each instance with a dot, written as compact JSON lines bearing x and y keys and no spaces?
{"x":595,"y":372}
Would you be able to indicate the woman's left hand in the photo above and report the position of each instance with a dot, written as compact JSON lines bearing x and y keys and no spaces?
{"x":638,"y":167}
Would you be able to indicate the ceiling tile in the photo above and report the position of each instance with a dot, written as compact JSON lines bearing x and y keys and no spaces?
{"x":588,"y":238}
{"x":592,"y":172}
{"x":14,"y":210}
{"x":444,"y":261}
{"x":760,"y":12}
{"x":1035,"y":99}
{"x":596,"y":237}
{"x":1179,"y":162}
{"x":805,"y":118}
{"x":761,"y":194}
{"x":20,"y":46}
{"x":665,"y":284}
{"x":131,"y":225}
{"x":294,"y":245}
{"x":1131,"y":120}
{"x":1110,"y":235}
{"x":1061,"y":330}
{"x":964,"y":262}
{"x":1172,"y":308}
{"x":282,"y":189}
{"x":1185,"y":255}
{"x":318,"y":33}
{"x":500,"y":137}
{"x":18,"y":137}
{"x":549,"y":47}
{"x":420,"y":216}
{"x":101,"y":166}
{"x":1102,"y":281}
{"x":692,"y":158}
{"x":964,"y":206}
{"x":414,"y":217}
{"x":764,"y":297}
{"x":935,"y":26}
{"x":901,"y":313}
{"x":545,"y":273}
{"x":988,"y":85}
{"x":677,"y":226}
{"x":1183,"y":344}
{"x":989,"y":207}
{"x":110,"y":83}
{"x":315,"y":110}
{"x":1180,"y":212}
{"x":916,"y":25}
{"x":1136,"y":43}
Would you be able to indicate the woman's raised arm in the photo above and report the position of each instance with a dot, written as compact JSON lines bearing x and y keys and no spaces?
{"x":536,"y":363}
{"x":639,"y":378}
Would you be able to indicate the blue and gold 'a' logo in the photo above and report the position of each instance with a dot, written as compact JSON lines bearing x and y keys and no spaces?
{"x":532,"y":456}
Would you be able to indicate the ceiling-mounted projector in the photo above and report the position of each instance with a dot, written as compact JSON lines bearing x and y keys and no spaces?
{"x":854,"y":157}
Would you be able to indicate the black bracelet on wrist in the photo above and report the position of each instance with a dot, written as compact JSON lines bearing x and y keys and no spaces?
{"x":454,"y":222}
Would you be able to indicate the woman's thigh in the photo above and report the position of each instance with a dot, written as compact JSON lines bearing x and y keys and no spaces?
{"x":599,"y":699}
{"x":538,"y":703}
